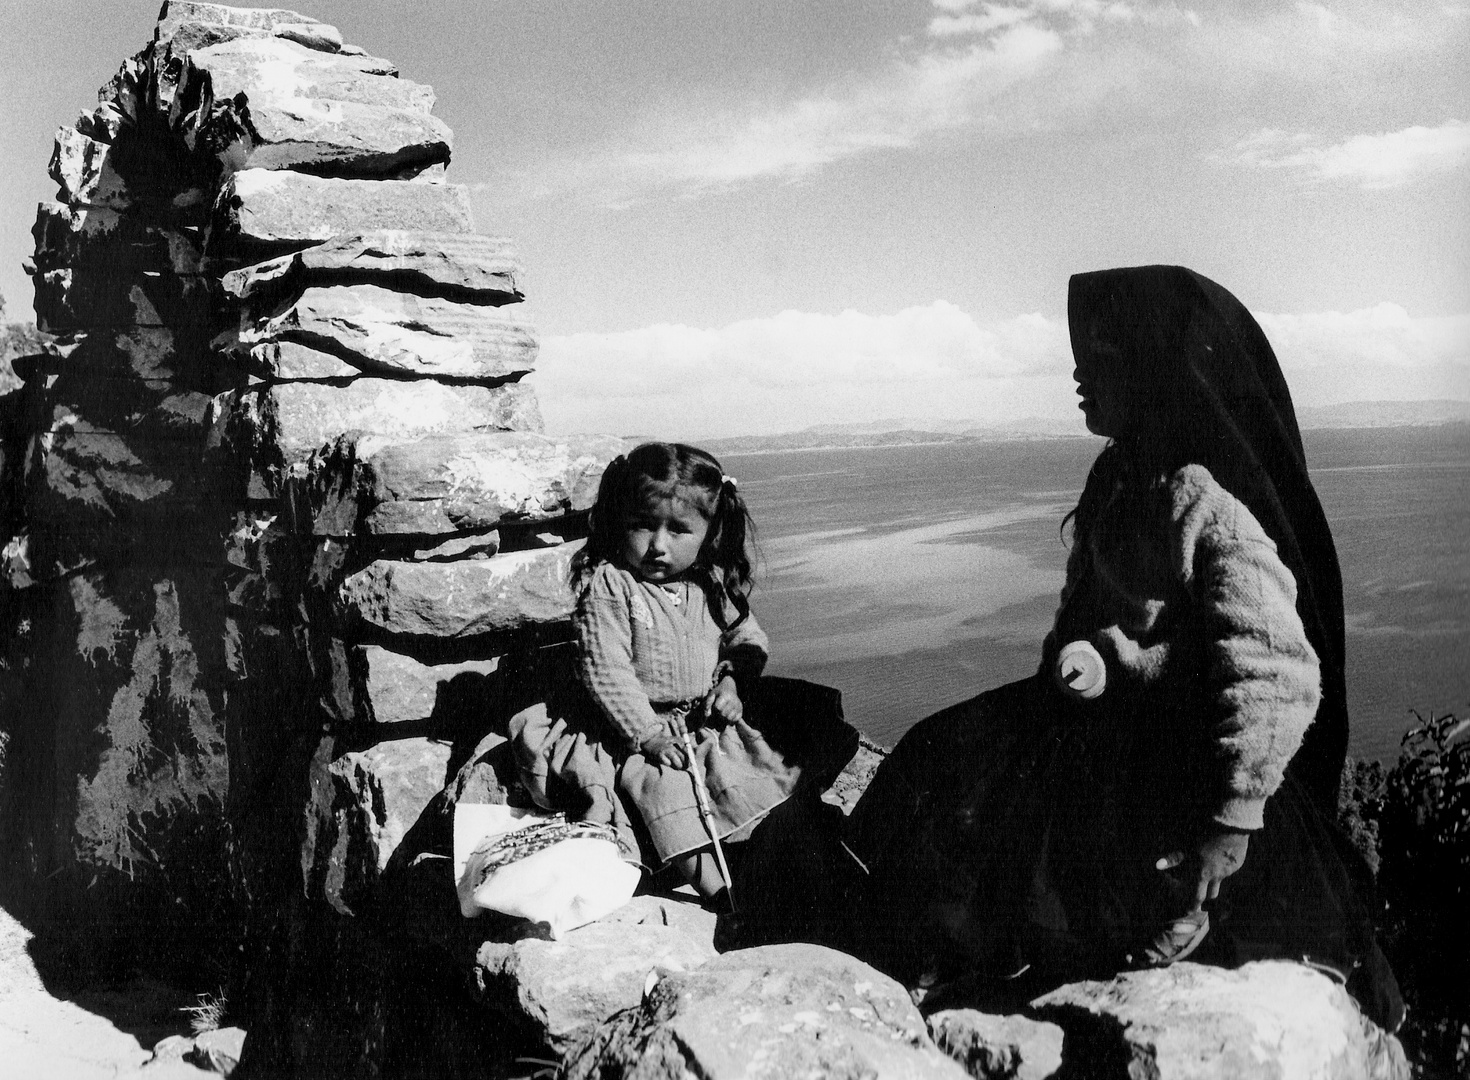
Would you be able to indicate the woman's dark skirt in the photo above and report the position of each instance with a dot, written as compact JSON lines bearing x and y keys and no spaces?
{"x":1011,"y":842}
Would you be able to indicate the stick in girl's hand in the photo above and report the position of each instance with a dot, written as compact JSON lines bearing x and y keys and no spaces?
{"x":701,"y":797}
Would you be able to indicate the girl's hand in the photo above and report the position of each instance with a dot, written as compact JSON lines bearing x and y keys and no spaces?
{"x":666,"y":749}
{"x":722,"y":704}
{"x":1213,"y":857}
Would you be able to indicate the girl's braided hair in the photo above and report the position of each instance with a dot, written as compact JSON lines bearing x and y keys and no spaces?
{"x":656,"y":471}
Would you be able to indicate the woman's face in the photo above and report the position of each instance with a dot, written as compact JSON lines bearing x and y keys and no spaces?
{"x":1110,"y":405}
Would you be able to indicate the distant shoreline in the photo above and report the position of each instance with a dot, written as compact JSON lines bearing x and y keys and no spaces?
{"x":749,"y":445}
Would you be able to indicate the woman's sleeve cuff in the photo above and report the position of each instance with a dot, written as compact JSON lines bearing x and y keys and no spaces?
{"x":1242,"y":813}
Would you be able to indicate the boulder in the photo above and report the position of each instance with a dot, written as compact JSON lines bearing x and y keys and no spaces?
{"x":448,"y":483}
{"x":855,"y":776}
{"x":378,"y":793}
{"x":396,"y":688}
{"x":774,"y":1011}
{"x":399,"y":334}
{"x":282,"y":424}
{"x":1267,"y":1019}
{"x":555,"y":992}
{"x":179,"y":13}
{"x":274,"y":104}
{"x":262,"y":207}
{"x":998,"y":1047}
{"x":466,"y":267}
{"x":513,"y":591}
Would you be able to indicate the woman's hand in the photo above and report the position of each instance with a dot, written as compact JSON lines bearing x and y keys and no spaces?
{"x":722,"y":704}
{"x":1216,"y":854}
{"x":665,"y":748}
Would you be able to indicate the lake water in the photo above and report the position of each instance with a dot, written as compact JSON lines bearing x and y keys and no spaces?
{"x":914,"y":577}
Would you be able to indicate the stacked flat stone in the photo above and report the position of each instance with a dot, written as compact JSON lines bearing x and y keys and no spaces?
{"x":284,"y":482}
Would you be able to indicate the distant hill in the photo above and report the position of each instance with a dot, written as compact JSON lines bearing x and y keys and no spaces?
{"x":913,"y":432}
{"x":1368,"y":414}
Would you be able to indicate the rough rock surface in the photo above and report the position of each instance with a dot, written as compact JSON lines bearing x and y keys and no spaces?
{"x":280,"y":425}
{"x":398,"y":689}
{"x":448,"y":483}
{"x":998,"y":1047}
{"x":774,"y":1011}
{"x":554,"y":992}
{"x":275,"y":104}
{"x":469,"y":268}
{"x":46,"y":1035}
{"x":276,"y":208}
{"x":379,"y":793}
{"x":512,"y":591}
{"x":398,"y":334}
{"x":1266,"y":1019}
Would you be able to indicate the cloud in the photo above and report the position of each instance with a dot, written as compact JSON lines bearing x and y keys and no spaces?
{"x":988,"y":70}
{"x":798,"y":368}
{"x":938,"y":364}
{"x":906,"y":100}
{"x":1388,"y":160}
{"x":1384,"y":336}
{"x":957,"y":17}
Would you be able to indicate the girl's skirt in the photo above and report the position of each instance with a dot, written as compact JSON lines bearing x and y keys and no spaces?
{"x":795,"y":734}
{"x":1011,"y":842}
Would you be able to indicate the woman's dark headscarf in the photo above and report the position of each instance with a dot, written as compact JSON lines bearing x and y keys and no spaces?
{"x":1194,"y":354}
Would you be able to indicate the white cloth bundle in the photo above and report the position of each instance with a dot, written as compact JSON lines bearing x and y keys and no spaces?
{"x":564,"y":884}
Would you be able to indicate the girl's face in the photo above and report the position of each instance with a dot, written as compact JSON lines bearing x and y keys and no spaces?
{"x":664,"y":539}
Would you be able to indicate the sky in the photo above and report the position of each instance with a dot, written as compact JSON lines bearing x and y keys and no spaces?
{"x":743,"y":217}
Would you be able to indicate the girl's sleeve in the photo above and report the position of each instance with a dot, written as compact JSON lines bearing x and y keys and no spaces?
{"x":604,"y":629}
{"x":1263,"y":677}
{"x":744,"y":649}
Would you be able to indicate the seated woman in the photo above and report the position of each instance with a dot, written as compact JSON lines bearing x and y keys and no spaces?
{"x":1166,"y":784}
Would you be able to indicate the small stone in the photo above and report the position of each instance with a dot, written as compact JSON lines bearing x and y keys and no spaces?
{"x":313,"y":35}
{"x":218,"y":1050}
{"x":259,"y":206}
{"x":393,"y":333}
{"x":463,"y":599}
{"x":998,"y":1047}
{"x":476,"y":546}
{"x":398,"y":689}
{"x":287,"y":361}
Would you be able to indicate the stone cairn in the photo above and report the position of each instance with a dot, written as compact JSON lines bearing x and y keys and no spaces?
{"x":283,"y":549}
{"x":279,"y":519}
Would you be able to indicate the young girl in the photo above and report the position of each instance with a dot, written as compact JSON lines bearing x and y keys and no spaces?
{"x":666,"y":641}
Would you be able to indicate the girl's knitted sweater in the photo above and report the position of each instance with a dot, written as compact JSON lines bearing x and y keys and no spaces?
{"x":643,"y":645}
{"x":1181,"y":591}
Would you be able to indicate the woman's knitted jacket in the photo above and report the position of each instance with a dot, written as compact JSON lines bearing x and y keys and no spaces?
{"x":1182,"y":593}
